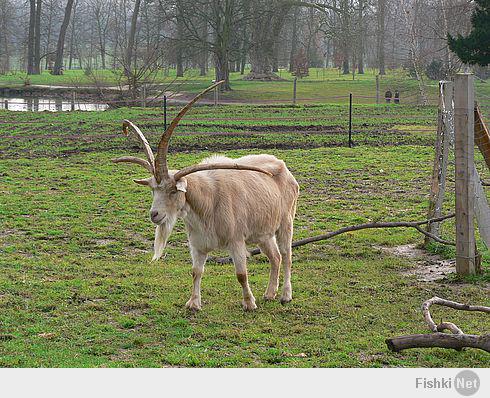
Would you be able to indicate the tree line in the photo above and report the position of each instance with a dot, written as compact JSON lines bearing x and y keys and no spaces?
{"x":253,"y":37}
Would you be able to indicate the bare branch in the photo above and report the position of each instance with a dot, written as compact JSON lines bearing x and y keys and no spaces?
{"x":457,"y":340}
{"x":351,"y":228}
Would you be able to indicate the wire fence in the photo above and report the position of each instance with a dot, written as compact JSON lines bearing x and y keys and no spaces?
{"x":386,"y":116}
{"x":386,"y":89}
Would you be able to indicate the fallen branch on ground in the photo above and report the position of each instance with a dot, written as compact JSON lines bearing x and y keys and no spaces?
{"x":396,"y":224}
{"x":457,"y":340}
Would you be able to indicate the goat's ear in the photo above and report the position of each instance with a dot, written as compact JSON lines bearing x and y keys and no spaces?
{"x":181,"y":185}
{"x":145,"y":181}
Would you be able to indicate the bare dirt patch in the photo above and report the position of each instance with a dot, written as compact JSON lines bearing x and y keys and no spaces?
{"x":428,"y":267}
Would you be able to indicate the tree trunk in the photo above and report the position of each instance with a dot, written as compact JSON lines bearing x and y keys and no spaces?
{"x":381,"y":36}
{"x":48,"y":36}
{"x":30,"y":38}
{"x":245,"y":41}
{"x":294,"y":39}
{"x":178,"y":47}
{"x":345,"y":40}
{"x":360,"y":51}
{"x":5,"y":42}
{"x":101,"y":32}
{"x":203,"y":58}
{"x":36,"y":67}
{"x":222,"y":71}
{"x":268,"y":22}
{"x":275,"y":57}
{"x":447,"y":53}
{"x":345,"y":64}
{"x":58,"y":65}
{"x":72,"y":35}
{"x":132,"y":35}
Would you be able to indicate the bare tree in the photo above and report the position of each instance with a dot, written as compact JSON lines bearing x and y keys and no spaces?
{"x":6,"y":17}
{"x":132,"y":34}
{"x":410,"y":9}
{"x":31,"y":37}
{"x":380,"y":34}
{"x":267,"y":22}
{"x":58,"y":64}
{"x":101,"y":15}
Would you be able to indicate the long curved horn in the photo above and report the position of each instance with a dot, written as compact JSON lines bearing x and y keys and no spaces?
{"x":214,"y":166}
{"x":142,"y":139}
{"x":131,"y":159}
{"x":161,"y":167}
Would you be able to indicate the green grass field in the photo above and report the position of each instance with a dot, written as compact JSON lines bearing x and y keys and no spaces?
{"x":77,"y":288}
{"x":321,"y":86}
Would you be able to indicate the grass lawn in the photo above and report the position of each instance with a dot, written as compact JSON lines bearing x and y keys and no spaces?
{"x":322,"y":85}
{"x":77,"y":288}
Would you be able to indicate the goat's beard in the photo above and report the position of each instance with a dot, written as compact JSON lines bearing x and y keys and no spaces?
{"x":162,"y":232}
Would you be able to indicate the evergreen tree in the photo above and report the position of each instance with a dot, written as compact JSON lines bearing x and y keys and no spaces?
{"x":475,"y":48}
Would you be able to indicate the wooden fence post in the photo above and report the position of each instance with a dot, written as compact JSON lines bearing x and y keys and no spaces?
{"x":377,"y":89}
{"x":464,"y":145}
{"x":439,"y":171}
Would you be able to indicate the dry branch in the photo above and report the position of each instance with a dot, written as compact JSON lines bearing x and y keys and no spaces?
{"x":439,"y":340}
{"x":456,"y":340}
{"x":351,"y":228}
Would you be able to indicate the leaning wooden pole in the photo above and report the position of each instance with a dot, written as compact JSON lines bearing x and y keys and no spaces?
{"x":464,"y":178}
{"x":482,"y":135}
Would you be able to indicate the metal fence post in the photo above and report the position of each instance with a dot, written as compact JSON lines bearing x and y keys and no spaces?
{"x":294,"y":90}
{"x":165,"y":113}
{"x":377,"y":89}
{"x":350,"y":121}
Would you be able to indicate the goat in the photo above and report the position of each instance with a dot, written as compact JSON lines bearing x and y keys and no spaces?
{"x":223,"y":208}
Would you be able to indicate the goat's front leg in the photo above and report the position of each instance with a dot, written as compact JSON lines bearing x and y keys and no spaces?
{"x":198,"y":261}
{"x":239,"y":256}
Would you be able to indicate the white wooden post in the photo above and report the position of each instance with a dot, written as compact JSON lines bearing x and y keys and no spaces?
{"x":439,"y":171}
{"x":464,"y":146}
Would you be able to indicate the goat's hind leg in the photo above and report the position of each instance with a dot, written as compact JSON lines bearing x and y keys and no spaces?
{"x":284,"y":240}
{"x":198,"y":261}
{"x":270,"y":249}
{"x":239,"y":256}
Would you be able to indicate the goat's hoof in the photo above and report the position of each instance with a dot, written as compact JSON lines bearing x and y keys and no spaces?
{"x":269,"y":297}
{"x":285,"y":299}
{"x":193,"y":305}
{"x":249,"y":305}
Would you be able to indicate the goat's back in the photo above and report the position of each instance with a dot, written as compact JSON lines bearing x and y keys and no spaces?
{"x":247,"y":204}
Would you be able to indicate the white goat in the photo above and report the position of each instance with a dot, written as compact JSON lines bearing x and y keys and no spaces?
{"x":223,"y":209}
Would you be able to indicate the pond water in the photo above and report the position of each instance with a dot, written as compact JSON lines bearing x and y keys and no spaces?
{"x":51,"y":104}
